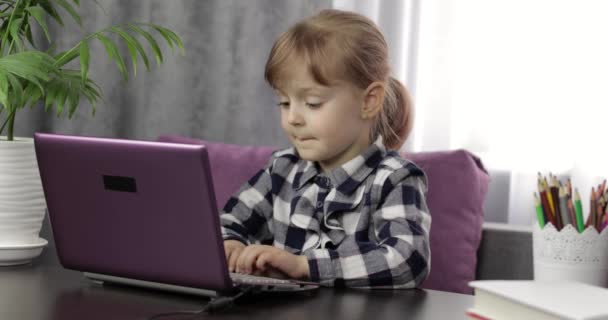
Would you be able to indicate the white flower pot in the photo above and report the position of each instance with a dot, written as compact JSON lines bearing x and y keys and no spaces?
{"x":22,"y":203}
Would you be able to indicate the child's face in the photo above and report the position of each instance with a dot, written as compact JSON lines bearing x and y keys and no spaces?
{"x":323,"y":123}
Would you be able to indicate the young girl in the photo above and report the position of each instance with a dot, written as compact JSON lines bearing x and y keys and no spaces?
{"x":341,"y":207}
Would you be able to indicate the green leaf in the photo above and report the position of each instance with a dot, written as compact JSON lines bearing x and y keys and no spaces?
{"x":166,"y":36}
{"x":73,"y":99}
{"x":39,"y":15}
{"x":50,"y":10}
{"x":33,"y":66}
{"x":151,"y":41}
{"x":14,"y":31}
{"x":17,"y":91}
{"x":28,"y":34}
{"x":133,"y":46}
{"x":32,"y":94}
{"x":170,"y":36}
{"x":64,"y":57}
{"x":65,"y":90}
{"x":51,"y":92}
{"x":68,"y":7}
{"x":62,"y":94}
{"x":3,"y":89}
{"x":113,"y":53}
{"x":84,"y":60}
{"x":93,"y":93}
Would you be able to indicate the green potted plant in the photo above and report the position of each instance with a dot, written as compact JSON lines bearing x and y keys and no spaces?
{"x":54,"y":79}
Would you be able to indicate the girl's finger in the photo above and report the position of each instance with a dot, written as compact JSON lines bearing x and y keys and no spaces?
{"x":252,"y":257}
{"x":234,"y":255}
{"x":261,"y":261}
{"x":243,"y":263}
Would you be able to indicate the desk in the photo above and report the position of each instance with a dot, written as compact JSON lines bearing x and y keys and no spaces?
{"x":45,"y":290}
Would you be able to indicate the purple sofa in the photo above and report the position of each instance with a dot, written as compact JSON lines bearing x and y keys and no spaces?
{"x":458,"y":184}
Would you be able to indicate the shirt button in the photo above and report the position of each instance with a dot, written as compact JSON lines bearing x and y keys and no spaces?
{"x":319,"y":204}
{"x":324,"y":182}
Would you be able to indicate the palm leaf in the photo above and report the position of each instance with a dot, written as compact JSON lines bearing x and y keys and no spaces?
{"x":51,"y":11}
{"x":3,"y":89}
{"x":68,"y":7}
{"x":151,"y":41}
{"x":38,"y":14}
{"x":133,"y":46}
{"x":14,"y":30}
{"x":60,"y":98}
{"x":66,"y":89}
{"x":66,"y":56}
{"x":113,"y":53}
{"x":16,"y":95}
{"x":170,"y":36}
{"x":51,"y":92}
{"x":32,"y":94}
{"x":73,"y":99}
{"x":84,"y":61}
{"x":32,"y":66}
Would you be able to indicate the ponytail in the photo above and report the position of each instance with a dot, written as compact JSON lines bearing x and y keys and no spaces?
{"x":395,"y":120}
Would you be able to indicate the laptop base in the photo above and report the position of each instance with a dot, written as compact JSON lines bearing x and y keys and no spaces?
{"x":101,"y":278}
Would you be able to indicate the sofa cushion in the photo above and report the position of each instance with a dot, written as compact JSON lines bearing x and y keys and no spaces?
{"x":458,"y":184}
{"x":231,"y":165}
{"x":457,"y":189}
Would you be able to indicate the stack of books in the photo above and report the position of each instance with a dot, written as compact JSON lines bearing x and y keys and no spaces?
{"x":526,"y":299}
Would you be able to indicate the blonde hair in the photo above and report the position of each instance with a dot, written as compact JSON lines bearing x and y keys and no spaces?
{"x":344,"y":45}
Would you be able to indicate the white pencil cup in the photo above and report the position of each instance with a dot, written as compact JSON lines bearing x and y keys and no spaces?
{"x":567,"y":255}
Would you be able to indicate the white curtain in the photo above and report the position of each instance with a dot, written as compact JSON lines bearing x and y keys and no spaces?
{"x":523,"y":84}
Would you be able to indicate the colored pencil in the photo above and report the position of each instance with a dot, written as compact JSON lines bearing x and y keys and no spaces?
{"x":563,"y":207}
{"x":571,"y":213}
{"x":591,"y":221}
{"x":578,"y":210}
{"x":547,"y":208}
{"x":550,"y":200}
{"x":539,"y":211}
{"x":599,"y":218}
{"x":555,"y":196}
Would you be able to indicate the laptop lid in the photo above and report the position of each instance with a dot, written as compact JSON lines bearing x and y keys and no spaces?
{"x":134,"y":209}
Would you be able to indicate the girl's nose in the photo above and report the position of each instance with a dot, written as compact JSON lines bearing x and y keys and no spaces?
{"x":294,"y":117}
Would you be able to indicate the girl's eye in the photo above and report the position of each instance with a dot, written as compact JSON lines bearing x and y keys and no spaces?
{"x":313,"y":105}
{"x":283,"y":104}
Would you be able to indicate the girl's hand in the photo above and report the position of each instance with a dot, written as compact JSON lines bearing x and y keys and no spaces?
{"x":261,"y":259}
{"x":233,"y":249}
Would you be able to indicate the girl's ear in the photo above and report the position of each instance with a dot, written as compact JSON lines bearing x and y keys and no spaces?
{"x":373,"y":99}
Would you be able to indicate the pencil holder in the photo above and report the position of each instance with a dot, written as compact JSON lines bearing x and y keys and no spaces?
{"x":568,"y":255}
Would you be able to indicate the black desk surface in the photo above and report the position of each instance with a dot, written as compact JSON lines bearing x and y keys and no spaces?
{"x":44,"y":290}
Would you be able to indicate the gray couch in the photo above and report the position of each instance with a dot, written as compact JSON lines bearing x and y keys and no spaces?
{"x":505,"y":252}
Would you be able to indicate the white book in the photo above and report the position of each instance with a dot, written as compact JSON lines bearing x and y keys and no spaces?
{"x":526,"y":299}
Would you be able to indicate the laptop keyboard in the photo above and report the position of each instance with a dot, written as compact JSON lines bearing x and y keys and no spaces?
{"x":257,"y":280}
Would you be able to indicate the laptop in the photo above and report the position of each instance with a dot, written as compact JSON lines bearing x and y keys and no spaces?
{"x":141,"y":213}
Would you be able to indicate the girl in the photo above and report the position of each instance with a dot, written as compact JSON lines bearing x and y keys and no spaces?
{"x":340,"y":207}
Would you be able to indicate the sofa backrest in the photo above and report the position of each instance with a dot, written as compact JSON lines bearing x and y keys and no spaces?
{"x":458,"y":184}
{"x":457,"y":187}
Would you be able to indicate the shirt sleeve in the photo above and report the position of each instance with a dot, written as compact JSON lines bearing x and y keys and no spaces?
{"x":399,"y":257}
{"x":248,"y":213}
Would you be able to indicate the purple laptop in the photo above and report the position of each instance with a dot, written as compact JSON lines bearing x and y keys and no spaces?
{"x":138,"y":212}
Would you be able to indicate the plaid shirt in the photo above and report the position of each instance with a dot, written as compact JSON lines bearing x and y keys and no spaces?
{"x":364,"y":224}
